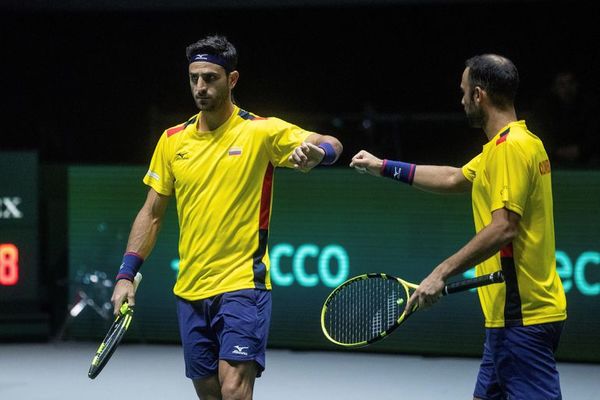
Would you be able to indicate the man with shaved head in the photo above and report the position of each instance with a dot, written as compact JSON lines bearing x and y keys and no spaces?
{"x":511,"y":188}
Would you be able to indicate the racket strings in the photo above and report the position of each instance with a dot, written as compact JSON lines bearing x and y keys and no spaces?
{"x":364,"y":309}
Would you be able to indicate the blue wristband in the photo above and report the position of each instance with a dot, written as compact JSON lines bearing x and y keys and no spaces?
{"x":398,"y":170}
{"x":130,"y":266}
{"x":330,"y":155}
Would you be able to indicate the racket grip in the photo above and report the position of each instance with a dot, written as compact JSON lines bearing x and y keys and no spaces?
{"x":136,"y":281}
{"x":461,"y":286}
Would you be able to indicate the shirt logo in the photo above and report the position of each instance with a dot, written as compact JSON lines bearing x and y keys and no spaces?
{"x":240,"y":350}
{"x":544,"y":167}
{"x":182,"y":155}
{"x":235,"y":151}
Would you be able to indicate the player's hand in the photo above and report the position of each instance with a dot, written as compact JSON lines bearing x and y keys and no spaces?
{"x":427,"y":294}
{"x":365,"y":162}
{"x":124,"y":291}
{"x":306,"y":156}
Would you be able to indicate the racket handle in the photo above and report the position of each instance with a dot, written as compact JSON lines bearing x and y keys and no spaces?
{"x":136,"y":281}
{"x":461,"y":286}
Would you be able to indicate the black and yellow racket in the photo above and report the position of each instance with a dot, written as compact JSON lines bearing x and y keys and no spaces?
{"x":367,"y":308}
{"x":114,"y":336}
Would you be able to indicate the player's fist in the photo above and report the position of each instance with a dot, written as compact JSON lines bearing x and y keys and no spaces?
{"x":365,"y":162}
{"x":306,"y":156}
{"x":124,"y":291}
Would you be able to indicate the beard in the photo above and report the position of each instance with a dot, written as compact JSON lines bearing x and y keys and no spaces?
{"x":211,"y":103}
{"x":475,"y":117}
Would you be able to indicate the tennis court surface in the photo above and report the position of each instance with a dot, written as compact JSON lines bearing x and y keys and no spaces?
{"x":58,"y":371}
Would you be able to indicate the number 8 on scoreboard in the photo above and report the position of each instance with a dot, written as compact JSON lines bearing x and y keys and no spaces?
{"x":9,"y":264}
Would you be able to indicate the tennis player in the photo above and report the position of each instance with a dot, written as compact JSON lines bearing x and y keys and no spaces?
{"x":219,"y":165}
{"x":510,"y":183}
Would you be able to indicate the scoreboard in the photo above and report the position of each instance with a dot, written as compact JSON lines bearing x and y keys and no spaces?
{"x":19,"y":246}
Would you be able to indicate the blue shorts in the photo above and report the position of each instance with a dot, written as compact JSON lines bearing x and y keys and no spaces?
{"x":518,"y":363}
{"x":231,"y":326}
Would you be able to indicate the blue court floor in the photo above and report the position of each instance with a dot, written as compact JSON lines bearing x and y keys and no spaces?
{"x":58,"y":371}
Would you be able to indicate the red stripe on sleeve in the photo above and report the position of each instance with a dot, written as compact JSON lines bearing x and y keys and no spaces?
{"x":501,"y":140}
{"x":172,"y":131}
{"x":502,"y":137}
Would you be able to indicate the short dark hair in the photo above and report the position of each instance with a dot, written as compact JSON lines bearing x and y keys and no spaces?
{"x":495,"y":74}
{"x":216,"y":45}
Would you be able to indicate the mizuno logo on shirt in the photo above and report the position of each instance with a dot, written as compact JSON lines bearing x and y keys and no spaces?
{"x":181,"y":155}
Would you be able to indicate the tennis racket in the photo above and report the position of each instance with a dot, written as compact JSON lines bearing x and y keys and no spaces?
{"x":115,"y":334}
{"x":367,"y":308}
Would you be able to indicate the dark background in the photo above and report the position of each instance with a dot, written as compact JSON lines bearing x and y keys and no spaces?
{"x":97,"y":82}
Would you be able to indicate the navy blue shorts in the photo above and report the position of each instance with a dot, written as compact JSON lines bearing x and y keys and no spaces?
{"x":518,"y":363}
{"x":231,"y":326}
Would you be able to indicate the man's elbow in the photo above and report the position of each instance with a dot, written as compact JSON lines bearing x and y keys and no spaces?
{"x":456,"y":182}
{"x":509,"y":232}
{"x":339,"y":147}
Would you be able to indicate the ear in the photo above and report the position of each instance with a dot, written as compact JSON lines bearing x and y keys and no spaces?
{"x":233,"y":78}
{"x":477,"y":94}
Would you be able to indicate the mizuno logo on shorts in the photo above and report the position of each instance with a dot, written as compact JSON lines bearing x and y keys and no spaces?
{"x":240,"y":350}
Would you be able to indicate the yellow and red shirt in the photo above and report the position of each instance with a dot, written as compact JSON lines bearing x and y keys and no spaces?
{"x":513,"y":172}
{"x":223,"y":182}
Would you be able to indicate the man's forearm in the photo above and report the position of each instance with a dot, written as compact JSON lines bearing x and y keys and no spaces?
{"x":144,"y":233}
{"x":483,"y":246}
{"x":440,"y":179}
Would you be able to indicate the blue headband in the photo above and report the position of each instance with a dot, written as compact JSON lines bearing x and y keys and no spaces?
{"x":211,"y":58}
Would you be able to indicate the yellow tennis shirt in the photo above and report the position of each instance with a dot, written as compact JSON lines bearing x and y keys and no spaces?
{"x":223,"y":182}
{"x":513,"y":172}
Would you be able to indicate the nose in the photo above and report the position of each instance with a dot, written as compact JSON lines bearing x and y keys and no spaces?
{"x":201,"y":86}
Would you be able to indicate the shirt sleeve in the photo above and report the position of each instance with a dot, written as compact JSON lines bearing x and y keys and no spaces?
{"x":469,"y":170}
{"x":282,"y":139}
{"x":509,"y":176}
{"x":160,"y":176}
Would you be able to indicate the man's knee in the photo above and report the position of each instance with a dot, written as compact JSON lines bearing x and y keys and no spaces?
{"x":236,"y":390}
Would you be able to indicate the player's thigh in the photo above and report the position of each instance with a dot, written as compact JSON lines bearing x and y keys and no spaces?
{"x":244,"y":319}
{"x":526,"y":365}
{"x":200,"y":343}
{"x":488,"y":386}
